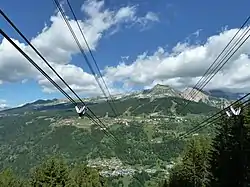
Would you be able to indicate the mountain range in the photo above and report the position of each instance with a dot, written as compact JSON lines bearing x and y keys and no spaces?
{"x":148,"y":123}
{"x":213,"y":98}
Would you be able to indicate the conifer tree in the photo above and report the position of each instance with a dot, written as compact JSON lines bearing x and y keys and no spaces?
{"x":193,"y":170}
{"x":179,"y":177}
{"x":83,"y":176}
{"x":229,"y":163}
{"x":219,"y":158}
{"x":8,"y":179}
{"x":165,"y":184}
{"x":53,"y":173}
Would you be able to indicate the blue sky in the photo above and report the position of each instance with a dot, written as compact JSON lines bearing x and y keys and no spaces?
{"x":178,"y":20}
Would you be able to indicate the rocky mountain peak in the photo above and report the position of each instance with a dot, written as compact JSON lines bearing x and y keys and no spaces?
{"x":161,"y":86}
{"x":194,"y":94}
{"x":162,"y":90}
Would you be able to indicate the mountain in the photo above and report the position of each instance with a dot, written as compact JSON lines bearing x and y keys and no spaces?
{"x":160,"y":98}
{"x":31,"y":132}
{"x":126,"y":106}
{"x":4,"y":108}
{"x":146,"y":129}
{"x":224,"y":94}
{"x":135,"y":101}
{"x":164,"y":91}
{"x":195,"y":95}
{"x":161,"y":91}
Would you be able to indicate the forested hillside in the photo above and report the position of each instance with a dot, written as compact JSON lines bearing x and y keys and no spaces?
{"x":199,"y":160}
{"x":146,"y":129}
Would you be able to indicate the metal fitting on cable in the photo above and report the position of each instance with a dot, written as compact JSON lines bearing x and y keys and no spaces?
{"x":81,"y":110}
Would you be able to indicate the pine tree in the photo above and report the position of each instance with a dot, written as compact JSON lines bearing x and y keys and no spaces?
{"x":219,"y":158}
{"x":179,"y":177}
{"x":7,"y":179}
{"x":245,"y":148}
{"x":247,"y":142}
{"x":53,"y":172}
{"x":165,"y":184}
{"x":195,"y":160}
{"x":83,"y":176}
{"x":229,"y":164}
{"x":193,"y":170}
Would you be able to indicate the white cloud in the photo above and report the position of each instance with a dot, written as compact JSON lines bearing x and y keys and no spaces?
{"x":56,"y":42}
{"x":181,"y":67}
{"x":57,"y":45}
{"x":197,"y":33}
{"x":129,"y":13}
{"x":74,"y":76}
{"x":3,"y":104}
{"x":185,"y":65}
{"x":126,"y":12}
{"x":124,"y":58}
{"x":13,"y":66}
{"x":151,"y":16}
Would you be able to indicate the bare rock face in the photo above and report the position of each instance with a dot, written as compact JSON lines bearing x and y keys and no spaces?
{"x":194,"y":95}
{"x":162,"y":90}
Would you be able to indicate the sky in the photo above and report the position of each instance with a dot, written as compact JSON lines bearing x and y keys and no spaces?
{"x":136,"y":43}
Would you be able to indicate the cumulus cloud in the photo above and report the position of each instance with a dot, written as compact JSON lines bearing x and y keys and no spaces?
{"x":56,"y":44}
{"x":144,"y":21}
{"x":180,"y":67}
{"x":3,"y":103}
{"x":151,"y":16}
{"x":129,"y":13}
{"x":13,"y":66}
{"x":78,"y":80}
{"x":185,"y":64}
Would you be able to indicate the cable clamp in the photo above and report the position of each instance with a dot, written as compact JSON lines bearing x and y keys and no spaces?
{"x":81,"y":110}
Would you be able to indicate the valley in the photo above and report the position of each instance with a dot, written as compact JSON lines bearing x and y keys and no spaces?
{"x":147,"y":129}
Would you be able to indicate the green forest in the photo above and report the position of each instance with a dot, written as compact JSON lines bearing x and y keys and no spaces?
{"x":221,"y":160}
{"x":218,"y":161}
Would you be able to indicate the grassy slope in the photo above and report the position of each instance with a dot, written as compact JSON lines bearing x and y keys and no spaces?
{"x":139,"y":106}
